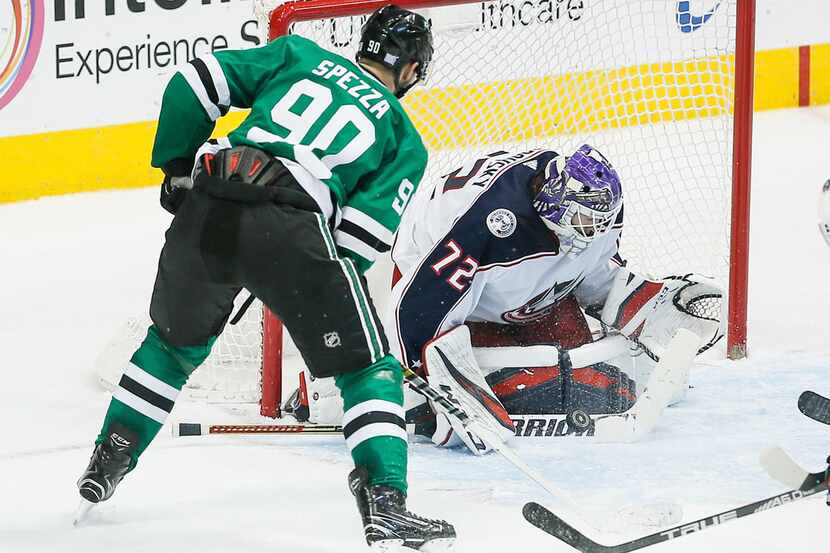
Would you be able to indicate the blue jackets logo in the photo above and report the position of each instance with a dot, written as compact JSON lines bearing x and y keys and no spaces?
{"x":688,"y":22}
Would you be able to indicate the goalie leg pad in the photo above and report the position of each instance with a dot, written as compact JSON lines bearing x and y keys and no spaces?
{"x":453,"y":370}
{"x":600,"y":388}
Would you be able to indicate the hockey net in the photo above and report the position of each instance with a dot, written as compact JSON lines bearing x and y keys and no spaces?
{"x":652,"y":84}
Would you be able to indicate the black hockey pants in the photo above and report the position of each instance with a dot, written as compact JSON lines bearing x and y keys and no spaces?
{"x":283,"y":252}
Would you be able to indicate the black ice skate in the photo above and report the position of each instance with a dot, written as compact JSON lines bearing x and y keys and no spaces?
{"x":109,"y":463}
{"x":389,"y":525}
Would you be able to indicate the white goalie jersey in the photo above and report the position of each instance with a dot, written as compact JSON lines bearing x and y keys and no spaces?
{"x":471,"y":247}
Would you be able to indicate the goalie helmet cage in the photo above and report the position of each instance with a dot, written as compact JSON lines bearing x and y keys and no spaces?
{"x":702,"y":85}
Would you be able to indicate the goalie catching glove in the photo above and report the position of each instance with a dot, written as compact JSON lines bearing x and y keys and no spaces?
{"x":453,"y":371}
{"x":650,"y":311}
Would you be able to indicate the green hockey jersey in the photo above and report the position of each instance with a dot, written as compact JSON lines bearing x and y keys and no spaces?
{"x":313,"y":107}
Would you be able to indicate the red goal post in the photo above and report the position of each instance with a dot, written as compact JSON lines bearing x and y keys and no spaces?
{"x":731,"y":78}
{"x":741,"y":179}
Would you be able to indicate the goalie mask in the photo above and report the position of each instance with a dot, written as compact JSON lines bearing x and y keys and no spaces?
{"x":580,"y":198}
{"x":394,"y":37}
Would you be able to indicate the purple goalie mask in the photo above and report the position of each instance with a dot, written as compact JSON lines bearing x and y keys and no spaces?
{"x":580,"y":198}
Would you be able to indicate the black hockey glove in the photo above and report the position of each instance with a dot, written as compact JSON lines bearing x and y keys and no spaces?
{"x":176,"y":184}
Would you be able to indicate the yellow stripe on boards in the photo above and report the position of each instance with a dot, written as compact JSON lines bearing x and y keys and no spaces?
{"x":820,"y":74}
{"x":776,"y":79}
{"x":84,"y":160}
{"x":81,"y":160}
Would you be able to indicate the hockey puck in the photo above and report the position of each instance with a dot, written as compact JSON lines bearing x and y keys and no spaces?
{"x":578,"y":420}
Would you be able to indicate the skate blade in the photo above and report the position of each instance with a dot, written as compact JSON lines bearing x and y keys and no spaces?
{"x":83,"y":510}
{"x":390,"y":546}
{"x":438,"y":545}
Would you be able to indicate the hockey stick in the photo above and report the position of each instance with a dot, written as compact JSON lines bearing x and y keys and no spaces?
{"x":550,"y":523}
{"x":666,"y":379}
{"x":544,"y":427}
{"x":181,"y":429}
{"x":780,"y":466}
{"x":550,"y":427}
{"x":815,"y":406}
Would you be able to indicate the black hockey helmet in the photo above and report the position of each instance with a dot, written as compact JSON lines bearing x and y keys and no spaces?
{"x":394,"y":37}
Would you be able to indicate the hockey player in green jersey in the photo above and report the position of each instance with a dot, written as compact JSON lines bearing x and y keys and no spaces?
{"x":293,"y":205}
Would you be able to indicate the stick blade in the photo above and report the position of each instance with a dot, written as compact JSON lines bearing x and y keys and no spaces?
{"x":780,"y":466}
{"x":815,"y":406}
{"x":551,"y":524}
{"x":181,"y":429}
{"x":668,"y":377}
{"x":783,"y":468}
{"x":671,"y":372}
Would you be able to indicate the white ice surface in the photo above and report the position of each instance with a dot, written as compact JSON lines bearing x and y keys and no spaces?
{"x":75,"y":266}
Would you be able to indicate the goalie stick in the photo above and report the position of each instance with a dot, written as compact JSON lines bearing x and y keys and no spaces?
{"x":666,"y":379}
{"x":555,"y":526}
{"x":815,"y":406}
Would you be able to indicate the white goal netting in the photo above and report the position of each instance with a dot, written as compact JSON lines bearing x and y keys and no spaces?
{"x":231,"y":374}
{"x":650,"y":83}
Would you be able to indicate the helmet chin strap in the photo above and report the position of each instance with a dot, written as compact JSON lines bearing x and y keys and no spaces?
{"x":399,"y":90}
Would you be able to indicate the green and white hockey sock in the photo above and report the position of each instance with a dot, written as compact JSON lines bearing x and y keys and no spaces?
{"x":148,"y":389}
{"x":373,"y":421}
